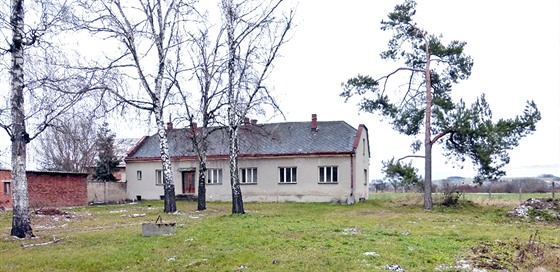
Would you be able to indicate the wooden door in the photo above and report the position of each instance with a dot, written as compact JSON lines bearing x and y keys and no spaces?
{"x":188,"y":182}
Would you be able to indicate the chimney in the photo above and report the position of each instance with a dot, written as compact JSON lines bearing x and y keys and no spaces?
{"x":253,"y":122}
{"x":314,"y":122}
{"x":169,"y":124}
{"x":194,"y":125}
{"x":246,"y":121}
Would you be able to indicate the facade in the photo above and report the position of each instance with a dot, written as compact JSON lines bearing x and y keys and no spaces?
{"x":47,"y":189}
{"x":278,"y":162}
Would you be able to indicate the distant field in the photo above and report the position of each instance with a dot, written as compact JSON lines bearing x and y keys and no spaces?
{"x":367,"y":236}
{"x":495,"y":199}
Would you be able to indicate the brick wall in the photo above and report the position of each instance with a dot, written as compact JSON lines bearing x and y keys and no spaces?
{"x":52,"y":189}
{"x":5,"y":197}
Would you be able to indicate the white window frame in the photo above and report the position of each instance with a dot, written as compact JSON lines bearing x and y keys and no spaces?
{"x":328,"y":174}
{"x":138,"y":175}
{"x":287,"y":175}
{"x":159,"y":177}
{"x":7,"y":187}
{"x":248,"y":175}
{"x":214,"y":176}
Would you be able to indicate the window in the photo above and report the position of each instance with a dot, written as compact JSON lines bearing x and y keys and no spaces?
{"x":248,"y":175}
{"x":139,"y":175}
{"x":328,"y":174}
{"x":159,"y":177}
{"x":214,"y":176}
{"x":7,"y":187}
{"x":365,"y":177}
{"x":287,"y":174}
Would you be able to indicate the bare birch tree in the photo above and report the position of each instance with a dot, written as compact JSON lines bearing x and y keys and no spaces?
{"x":255,"y":31}
{"x":39,"y":95}
{"x":208,"y":62}
{"x":144,"y":40}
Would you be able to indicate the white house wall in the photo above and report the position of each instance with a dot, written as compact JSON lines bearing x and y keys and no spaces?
{"x":361,"y":168}
{"x":268,"y":189}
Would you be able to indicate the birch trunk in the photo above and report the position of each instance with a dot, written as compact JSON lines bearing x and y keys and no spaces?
{"x":200,"y":145}
{"x":21,"y":222}
{"x":236,"y":196}
{"x":233,"y":122}
{"x":168,"y":185}
{"x":202,"y":184}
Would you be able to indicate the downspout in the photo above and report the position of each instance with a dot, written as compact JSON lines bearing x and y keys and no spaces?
{"x":351,"y":198}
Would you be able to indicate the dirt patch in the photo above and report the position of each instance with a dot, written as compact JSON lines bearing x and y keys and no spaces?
{"x":54,"y":219}
{"x":50,"y":211}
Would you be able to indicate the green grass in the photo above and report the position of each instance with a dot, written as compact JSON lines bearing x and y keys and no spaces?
{"x":494,"y":199}
{"x":270,"y":237}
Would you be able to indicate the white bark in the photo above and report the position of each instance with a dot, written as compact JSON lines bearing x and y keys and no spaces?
{"x":21,"y":222}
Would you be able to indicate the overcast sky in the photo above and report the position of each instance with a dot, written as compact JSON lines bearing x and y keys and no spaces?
{"x":516,"y":50}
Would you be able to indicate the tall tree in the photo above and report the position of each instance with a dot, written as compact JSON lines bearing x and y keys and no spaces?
{"x":255,"y":31}
{"x":431,"y":69}
{"x":208,"y":64}
{"x":68,"y":144}
{"x":148,"y":36}
{"x":106,"y":162}
{"x":39,"y":95}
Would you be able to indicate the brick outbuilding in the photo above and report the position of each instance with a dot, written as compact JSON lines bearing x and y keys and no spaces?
{"x":47,"y":189}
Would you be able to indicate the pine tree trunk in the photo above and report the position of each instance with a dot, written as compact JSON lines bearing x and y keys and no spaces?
{"x":428,"y":180}
{"x":168,"y":185}
{"x":21,"y":222}
{"x":428,"y":136}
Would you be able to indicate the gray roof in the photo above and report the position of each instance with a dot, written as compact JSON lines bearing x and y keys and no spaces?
{"x":291,"y":138}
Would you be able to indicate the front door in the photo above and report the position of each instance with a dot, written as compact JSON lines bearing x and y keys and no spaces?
{"x":188,"y":182}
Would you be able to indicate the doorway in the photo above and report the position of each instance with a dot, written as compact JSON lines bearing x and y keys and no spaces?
{"x":188,"y":182}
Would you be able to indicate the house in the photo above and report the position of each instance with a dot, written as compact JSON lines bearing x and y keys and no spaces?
{"x":278,"y":162}
{"x":47,"y":189}
{"x":122,"y":147}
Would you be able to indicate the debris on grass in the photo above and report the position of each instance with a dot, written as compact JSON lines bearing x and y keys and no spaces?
{"x":171,"y":259}
{"x":117,"y":211}
{"x":134,"y":215}
{"x":371,"y":253}
{"x":50,"y":211}
{"x":394,"y":267}
{"x":541,"y":209}
{"x":460,"y":265}
{"x":53,"y":241}
{"x":515,"y":255}
{"x":350,"y":231}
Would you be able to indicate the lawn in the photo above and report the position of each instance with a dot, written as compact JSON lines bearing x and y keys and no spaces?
{"x":366,"y":236}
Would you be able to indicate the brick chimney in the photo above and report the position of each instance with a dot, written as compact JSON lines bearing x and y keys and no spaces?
{"x":314,"y":122}
{"x":169,"y":125}
{"x":194,"y":125}
{"x":253,"y":122}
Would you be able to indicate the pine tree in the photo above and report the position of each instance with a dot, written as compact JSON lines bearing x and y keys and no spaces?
{"x":106,"y":162}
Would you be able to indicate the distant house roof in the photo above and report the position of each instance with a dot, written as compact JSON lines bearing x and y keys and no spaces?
{"x":123,"y":146}
{"x":289,"y":138}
